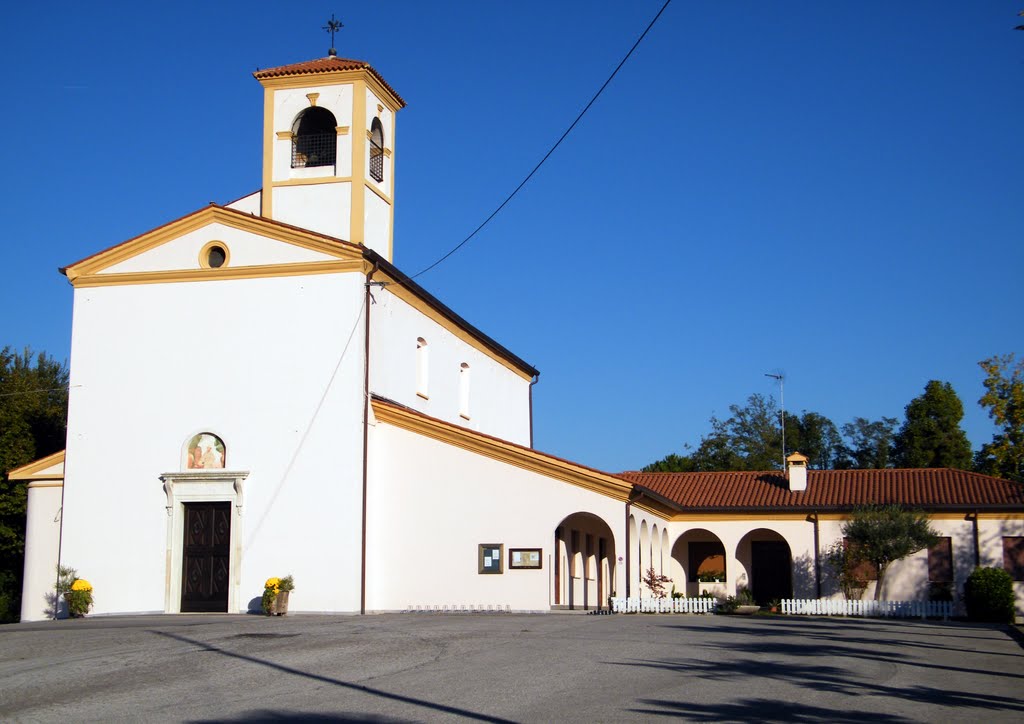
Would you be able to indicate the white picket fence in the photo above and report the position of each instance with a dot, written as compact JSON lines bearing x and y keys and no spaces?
{"x":459,"y":608}
{"x":885,"y":609}
{"x":663,"y":605}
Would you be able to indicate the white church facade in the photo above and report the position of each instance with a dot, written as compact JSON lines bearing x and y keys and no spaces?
{"x":257,"y":390}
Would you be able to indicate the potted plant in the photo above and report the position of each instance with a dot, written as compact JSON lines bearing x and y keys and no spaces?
{"x":745,"y":602}
{"x":77,"y":592}
{"x":275,"y":595}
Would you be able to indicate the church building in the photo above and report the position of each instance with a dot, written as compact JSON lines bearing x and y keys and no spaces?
{"x":257,"y":390}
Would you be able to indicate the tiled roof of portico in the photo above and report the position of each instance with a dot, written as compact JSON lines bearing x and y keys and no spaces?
{"x":931,"y":489}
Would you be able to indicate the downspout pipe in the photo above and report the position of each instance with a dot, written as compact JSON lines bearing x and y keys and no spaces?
{"x":633,"y":495}
{"x":532,"y":383}
{"x":813,"y":517}
{"x":367,"y":300}
{"x":973,"y":517}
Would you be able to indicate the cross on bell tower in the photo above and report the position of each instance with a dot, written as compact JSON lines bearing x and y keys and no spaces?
{"x":332,"y":27}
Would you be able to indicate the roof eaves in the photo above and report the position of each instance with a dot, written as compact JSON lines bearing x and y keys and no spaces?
{"x":446,"y":311}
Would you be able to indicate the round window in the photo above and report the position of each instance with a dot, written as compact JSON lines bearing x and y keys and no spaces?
{"x":216,"y":256}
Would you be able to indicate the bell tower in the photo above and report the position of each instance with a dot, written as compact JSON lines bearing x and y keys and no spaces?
{"x":328,"y":149}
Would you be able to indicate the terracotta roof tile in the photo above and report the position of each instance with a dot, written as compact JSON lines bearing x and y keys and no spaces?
{"x":938,"y":488}
{"x":325,"y":65}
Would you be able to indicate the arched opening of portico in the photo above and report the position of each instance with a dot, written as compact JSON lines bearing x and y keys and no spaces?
{"x":584,"y":570}
{"x":768,"y":561}
{"x":699,"y":554}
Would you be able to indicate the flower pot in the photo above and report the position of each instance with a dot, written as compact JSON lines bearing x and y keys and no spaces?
{"x":280,"y":605}
{"x":69,"y":608}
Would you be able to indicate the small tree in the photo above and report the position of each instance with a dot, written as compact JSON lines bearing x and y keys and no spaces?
{"x":848,"y":570}
{"x":882,"y":534}
{"x":655,"y":582}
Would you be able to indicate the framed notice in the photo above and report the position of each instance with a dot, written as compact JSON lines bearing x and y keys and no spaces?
{"x":489,"y":557}
{"x":524,"y":558}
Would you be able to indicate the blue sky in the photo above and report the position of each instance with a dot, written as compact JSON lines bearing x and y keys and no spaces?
{"x":831,"y":191}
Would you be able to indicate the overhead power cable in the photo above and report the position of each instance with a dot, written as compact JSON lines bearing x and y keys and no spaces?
{"x":552,"y":149}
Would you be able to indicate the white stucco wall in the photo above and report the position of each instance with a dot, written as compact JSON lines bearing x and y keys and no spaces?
{"x":247,"y":204}
{"x":377,"y":231}
{"x":431,"y":504}
{"x":325,"y":208}
{"x":244,"y":249}
{"x":274,"y":367}
{"x":499,"y":398}
{"x":42,"y":543}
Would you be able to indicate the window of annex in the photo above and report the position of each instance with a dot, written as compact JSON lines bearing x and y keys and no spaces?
{"x":314,"y":138}
{"x":1013,"y":556}
{"x":422,"y":368}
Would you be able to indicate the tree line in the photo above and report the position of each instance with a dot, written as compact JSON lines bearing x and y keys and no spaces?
{"x":930,"y":435}
{"x":33,"y":424}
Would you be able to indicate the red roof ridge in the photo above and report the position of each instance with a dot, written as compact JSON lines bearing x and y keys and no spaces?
{"x":327,"y":64}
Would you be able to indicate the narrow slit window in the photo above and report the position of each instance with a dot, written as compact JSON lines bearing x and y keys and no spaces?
{"x":464,"y":390}
{"x":377,"y":150}
{"x":422,"y":368}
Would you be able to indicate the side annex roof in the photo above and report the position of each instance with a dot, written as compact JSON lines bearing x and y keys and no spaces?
{"x":392,"y":413}
{"x":932,"y":489}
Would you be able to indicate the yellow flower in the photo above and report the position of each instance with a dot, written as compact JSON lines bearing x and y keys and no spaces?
{"x":81,"y":584}
{"x":272,"y":583}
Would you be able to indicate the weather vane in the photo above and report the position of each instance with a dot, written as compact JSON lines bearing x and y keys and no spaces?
{"x":332,"y":27}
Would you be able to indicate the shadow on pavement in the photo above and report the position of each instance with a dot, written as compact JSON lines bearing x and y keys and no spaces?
{"x":336,"y":682}
{"x":760,"y":710}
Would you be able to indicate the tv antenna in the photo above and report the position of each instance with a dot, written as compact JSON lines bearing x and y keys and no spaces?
{"x":781,"y":378}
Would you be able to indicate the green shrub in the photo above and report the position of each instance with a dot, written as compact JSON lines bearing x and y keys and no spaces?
{"x":988,"y":594}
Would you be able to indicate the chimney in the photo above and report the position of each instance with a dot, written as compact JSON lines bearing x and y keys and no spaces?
{"x":796,"y":465}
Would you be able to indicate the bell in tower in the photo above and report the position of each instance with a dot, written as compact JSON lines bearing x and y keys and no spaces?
{"x":328,"y":149}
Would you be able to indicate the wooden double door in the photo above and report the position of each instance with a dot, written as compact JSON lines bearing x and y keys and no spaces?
{"x":206,"y":558}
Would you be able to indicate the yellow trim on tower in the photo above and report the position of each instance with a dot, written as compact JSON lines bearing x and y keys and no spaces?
{"x":53,"y":484}
{"x":383,"y":196}
{"x":391,"y":207}
{"x":503,"y":451}
{"x":312,"y":99}
{"x":256,"y":271}
{"x":313,"y":180}
{"x":266,"y":205}
{"x":342,"y":130}
{"x":357,"y":227}
{"x":285,"y":135}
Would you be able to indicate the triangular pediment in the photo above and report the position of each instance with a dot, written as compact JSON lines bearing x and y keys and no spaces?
{"x":179,"y":251}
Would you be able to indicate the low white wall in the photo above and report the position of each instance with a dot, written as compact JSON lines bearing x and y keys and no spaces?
{"x":431,"y":504}
{"x":42,"y":544}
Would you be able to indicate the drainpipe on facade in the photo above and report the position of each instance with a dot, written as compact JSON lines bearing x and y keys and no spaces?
{"x":973,"y":517}
{"x":366,"y":431}
{"x":532,"y":383}
{"x":813,"y":517}
{"x":633,"y":495}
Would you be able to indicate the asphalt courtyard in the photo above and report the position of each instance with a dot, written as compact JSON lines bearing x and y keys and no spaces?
{"x":508,"y":667}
